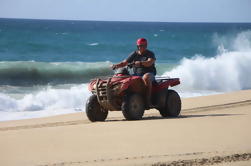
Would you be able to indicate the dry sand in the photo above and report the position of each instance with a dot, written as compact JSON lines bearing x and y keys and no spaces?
{"x":211,"y":129}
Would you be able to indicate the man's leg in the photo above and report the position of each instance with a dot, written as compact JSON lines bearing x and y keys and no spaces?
{"x":148,"y":78}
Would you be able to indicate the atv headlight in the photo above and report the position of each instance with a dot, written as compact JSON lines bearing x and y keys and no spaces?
{"x":94,"y":87}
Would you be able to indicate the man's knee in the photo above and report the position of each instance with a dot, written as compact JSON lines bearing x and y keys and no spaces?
{"x":149,"y":77}
{"x":146,"y":76}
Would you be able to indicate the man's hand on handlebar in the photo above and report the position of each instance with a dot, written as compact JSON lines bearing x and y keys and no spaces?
{"x":124,"y":63}
{"x":114,"y":66}
{"x":119,"y":65}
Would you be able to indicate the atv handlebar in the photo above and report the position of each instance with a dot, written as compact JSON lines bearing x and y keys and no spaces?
{"x":115,"y":66}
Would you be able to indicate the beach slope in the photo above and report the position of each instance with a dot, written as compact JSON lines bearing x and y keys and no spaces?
{"x":211,"y":129}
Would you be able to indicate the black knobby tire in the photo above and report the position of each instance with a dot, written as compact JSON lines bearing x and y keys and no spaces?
{"x":173,"y":105}
{"x":133,"y":106}
{"x":94,"y":111}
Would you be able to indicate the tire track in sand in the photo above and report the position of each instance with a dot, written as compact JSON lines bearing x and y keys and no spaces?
{"x":147,"y":117}
{"x":220,"y":106}
{"x":54,"y":124}
{"x":208,"y":161}
{"x":201,"y":161}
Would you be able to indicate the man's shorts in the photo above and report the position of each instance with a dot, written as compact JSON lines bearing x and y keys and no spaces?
{"x":152,"y":76}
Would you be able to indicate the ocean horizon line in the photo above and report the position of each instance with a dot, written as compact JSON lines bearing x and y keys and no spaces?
{"x":127,"y":21}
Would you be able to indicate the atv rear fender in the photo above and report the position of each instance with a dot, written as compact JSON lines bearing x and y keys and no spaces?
{"x":161,"y":84}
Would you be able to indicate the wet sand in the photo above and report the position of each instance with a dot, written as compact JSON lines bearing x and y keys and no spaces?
{"x":211,"y":130}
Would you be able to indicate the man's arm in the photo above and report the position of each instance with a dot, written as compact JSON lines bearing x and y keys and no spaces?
{"x":119,"y":65}
{"x":149,"y":62}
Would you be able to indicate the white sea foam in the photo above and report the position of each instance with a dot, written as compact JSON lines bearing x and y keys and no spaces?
{"x":45,"y":103}
{"x":228,"y":71}
{"x":93,"y":44}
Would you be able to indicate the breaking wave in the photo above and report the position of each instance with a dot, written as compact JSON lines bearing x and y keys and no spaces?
{"x":39,"y":73}
{"x":48,"y":102}
{"x":229,"y":70}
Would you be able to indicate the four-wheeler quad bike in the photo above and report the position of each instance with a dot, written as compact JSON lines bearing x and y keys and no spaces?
{"x":126,"y":93}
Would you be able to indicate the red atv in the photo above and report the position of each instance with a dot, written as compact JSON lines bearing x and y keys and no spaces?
{"x":127,"y":93}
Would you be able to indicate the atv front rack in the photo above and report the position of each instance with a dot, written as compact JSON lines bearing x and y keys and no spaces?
{"x":105,"y":95}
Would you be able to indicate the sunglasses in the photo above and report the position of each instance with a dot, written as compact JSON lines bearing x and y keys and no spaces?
{"x":141,"y":46}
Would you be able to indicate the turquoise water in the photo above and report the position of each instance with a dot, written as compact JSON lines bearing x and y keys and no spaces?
{"x":86,"y":41}
{"x":45,"y":65}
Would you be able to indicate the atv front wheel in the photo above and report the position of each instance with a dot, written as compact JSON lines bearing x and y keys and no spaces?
{"x":94,"y":111}
{"x":133,"y":107}
{"x":172,"y":106}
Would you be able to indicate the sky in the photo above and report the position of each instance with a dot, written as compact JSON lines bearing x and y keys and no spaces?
{"x":130,"y":10}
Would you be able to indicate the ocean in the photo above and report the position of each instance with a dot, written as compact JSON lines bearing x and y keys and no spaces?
{"x":45,"y":65}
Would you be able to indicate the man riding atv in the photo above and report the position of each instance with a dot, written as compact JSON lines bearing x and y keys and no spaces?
{"x":133,"y":94}
{"x":144,"y":66}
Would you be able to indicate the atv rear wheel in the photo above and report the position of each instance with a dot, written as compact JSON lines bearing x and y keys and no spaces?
{"x":173,"y":105}
{"x":94,"y":111}
{"x":133,"y":107}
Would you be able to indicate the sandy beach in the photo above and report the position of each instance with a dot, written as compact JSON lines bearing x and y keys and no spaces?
{"x":211,"y":130}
